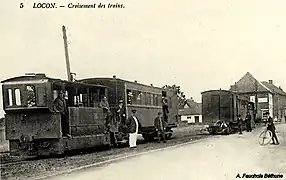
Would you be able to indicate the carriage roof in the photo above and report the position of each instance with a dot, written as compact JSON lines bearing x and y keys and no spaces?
{"x":43,"y":78}
{"x":94,"y":80}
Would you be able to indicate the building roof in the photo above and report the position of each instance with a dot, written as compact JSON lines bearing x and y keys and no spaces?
{"x":248,"y":83}
{"x":274,"y":88}
{"x":191,"y":108}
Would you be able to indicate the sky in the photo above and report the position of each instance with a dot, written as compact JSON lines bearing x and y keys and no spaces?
{"x":197,"y":44}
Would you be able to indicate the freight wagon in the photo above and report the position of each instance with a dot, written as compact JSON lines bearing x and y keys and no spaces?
{"x":225,"y":106}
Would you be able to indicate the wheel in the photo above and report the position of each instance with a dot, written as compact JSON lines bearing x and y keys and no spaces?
{"x":265,"y":137}
{"x":168,"y":136}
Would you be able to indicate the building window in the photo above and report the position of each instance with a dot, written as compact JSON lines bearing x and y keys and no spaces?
{"x":18,"y":97}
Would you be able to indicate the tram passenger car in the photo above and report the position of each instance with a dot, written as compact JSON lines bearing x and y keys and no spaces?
{"x":225,"y":106}
{"x":33,"y":127}
{"x":147,"y":100}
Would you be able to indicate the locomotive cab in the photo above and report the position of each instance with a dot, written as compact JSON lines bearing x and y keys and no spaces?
{"x":35,"y":127}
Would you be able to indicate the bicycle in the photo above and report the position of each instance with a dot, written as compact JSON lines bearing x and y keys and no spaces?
{"x":265,"y":137}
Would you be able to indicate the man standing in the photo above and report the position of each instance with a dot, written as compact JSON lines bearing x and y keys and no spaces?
{"x":271,"y":127}
{"x":106,"y":109}
{"x":160,"y":124}
{"x":240,"y":124}
{"x":133,"y":127}
{"x":248,"y":122}
{"x":165,"y":108}
{"x":61,"y":107}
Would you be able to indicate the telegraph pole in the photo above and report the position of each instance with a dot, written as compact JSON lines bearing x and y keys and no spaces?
{"x":67,"y":54}
{"x":256,"y":99}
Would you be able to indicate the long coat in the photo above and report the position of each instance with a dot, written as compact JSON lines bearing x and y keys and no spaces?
{"x":157,"y":123}
{"x":131,"y":124}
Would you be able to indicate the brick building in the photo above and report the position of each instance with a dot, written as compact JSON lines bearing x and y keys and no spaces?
{"x":266,"y":96}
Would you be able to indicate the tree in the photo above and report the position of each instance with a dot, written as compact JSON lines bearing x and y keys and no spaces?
{"x":180,"y":94}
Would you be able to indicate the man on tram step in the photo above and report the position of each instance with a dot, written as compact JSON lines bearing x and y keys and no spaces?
{"x":271,"y":127}
{"x":133,"y":126}
{"x":121,"y":116}
{"x":165,"y":108}
{"x":106,"y":110}
{"x":60,"y":106}
{"x":160,"y":125}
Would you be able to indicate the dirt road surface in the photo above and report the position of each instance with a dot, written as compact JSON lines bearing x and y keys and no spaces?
{"x":216,"y":158}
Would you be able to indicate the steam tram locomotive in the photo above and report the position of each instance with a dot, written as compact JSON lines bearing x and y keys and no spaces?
{"x":33,"y":126}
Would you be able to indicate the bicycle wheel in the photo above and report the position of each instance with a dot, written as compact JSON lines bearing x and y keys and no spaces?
{"x":265,"y":137}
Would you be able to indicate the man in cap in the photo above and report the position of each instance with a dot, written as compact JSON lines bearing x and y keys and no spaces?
{"x":165,"y":108}
{"x":248,"y":122}
{"x":60,"y":106}
{"x":133,"y":126}
{"x":160,"y":125}
{"x":271,"y":127}
{"x":106,"y":109}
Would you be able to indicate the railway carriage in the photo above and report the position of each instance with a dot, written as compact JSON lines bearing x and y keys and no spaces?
{"x":33,"y":127}
{"x":225,"y":106}
{"x":147,"y":100}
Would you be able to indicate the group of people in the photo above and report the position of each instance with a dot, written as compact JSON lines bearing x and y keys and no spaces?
{"x":132,"y":125}
{"x":247,"y":122}
{"x":269,"y":123}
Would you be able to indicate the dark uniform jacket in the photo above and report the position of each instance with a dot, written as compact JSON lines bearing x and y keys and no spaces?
{"x":105,"y":106}
{"x":271,"y":125}
{"x":131,"y":125}
{"x":159,"y":125}
{"x":60,"y":105}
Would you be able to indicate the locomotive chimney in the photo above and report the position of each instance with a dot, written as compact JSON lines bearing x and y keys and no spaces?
{"x":114,"y":76}
{"x":151,"y":85}
{"x":135,"y":81}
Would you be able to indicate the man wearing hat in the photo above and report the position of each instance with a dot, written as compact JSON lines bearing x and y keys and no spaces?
{"x":160,"y":125}
{"x":165,"y":108}
{"x":133,"y":126}
{"x":106,"y":110}
{"x":60,"y":106}
{"x":271,"y":127}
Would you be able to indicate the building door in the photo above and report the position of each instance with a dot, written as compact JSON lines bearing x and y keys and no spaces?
{"x":197,"y":119}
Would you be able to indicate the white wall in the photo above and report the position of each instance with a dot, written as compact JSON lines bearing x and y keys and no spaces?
{"x":270,"y":105}
{"x":191,"y":118}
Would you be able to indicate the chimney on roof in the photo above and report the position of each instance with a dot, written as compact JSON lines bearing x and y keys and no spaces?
{"x":270,"y":81}
{"x":151,"y":84}
{"x":114,"y":76}
{"x":135,"y":81}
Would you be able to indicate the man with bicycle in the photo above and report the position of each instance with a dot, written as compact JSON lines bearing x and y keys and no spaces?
{"x":271,"y":127}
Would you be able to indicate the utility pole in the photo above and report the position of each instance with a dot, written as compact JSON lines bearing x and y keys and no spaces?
{"x":256,"y":99}
{"x":67,"y":54}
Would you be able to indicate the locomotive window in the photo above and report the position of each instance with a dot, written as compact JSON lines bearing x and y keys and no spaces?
{"x":31,"y":96}
{"x":18,"y":97}
{"x":10,"y":97}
